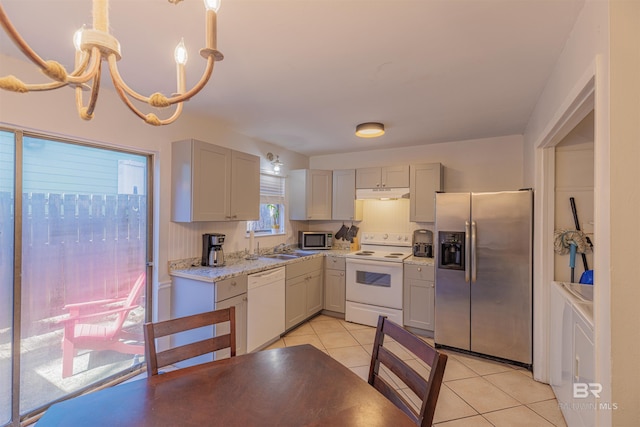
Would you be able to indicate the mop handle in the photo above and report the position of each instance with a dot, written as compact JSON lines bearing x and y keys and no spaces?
{"x":575,"y":219}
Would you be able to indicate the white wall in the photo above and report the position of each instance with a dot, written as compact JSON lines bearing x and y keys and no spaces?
{"x":604,"y":46}
{"x":490,"y":164}
{"x":624,"y":209}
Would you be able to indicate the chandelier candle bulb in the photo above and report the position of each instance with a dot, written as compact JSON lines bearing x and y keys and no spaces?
{"x":182,"y":78}
{"x":212,"y":23}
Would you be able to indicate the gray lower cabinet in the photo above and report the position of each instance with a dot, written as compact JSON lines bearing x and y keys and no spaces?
{"x":190,"y":296}
{"x":334,"y":284}
{"x":303,"y":291}
{"x":419,"y":296}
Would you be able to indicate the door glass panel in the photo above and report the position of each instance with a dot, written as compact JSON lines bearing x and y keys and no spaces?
{"x":83,"y":262}
{"x":7,"y":171}
{"x":373,"y":279}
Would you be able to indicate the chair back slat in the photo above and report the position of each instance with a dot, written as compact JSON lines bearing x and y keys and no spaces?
{"x":414,"y":344}
{"x":131,"y":302}
{"x":403,"y":371}
{"x":188,"y":351}
{"x":390,"y":393}
{"x":181,"y":324}
{"x":427,"y":389}
{"x":156,"y":360}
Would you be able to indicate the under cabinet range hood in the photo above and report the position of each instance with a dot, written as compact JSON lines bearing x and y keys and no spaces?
{"x":382,"y":193}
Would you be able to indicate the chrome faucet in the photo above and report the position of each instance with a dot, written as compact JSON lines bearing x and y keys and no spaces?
{"x":281,"y":248}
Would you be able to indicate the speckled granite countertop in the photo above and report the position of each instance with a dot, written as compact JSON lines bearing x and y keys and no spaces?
{"x":237,"y":265}
{"x":419,"y":260}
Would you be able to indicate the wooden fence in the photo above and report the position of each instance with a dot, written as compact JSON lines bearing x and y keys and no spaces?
{"x":75,"y":248}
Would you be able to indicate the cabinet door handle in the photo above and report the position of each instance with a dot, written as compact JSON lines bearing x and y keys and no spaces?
{"x":341,"y":274}
{"x":419,"y":268}
{"x":233,"y":283}
{"x":245,"y":299}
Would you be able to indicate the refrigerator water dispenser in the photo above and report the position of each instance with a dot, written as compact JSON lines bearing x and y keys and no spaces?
{"x":451,"y":250}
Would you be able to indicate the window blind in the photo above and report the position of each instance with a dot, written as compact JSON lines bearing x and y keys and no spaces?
{"x":271,"y":189}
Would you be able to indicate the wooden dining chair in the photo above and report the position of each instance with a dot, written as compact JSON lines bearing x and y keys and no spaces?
{"x":158,"y":359}
{"x":427,"y":389}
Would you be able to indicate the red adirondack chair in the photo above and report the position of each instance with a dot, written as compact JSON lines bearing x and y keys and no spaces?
{"x":79,"y":333}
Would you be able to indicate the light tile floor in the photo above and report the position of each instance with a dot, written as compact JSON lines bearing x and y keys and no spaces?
{"x":476,"y":392}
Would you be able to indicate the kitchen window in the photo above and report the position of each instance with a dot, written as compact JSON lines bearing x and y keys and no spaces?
{"x":74,"y":222}
{"x":272,"y":197}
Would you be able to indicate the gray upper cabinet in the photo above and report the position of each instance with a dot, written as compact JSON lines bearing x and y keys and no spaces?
{"x":244,"y":197}
{"x":345,"y":207}
{"x":426,"y":179}
{"x":383,"y":177}
{"x":311,"y":194}
{"x":212,"y":183}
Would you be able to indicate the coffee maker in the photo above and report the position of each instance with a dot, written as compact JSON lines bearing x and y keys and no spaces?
{"x":212,"y":253}
{"x":423,"y":243}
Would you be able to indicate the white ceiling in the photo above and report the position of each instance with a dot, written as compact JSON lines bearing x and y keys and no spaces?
{"x":302,"y":74}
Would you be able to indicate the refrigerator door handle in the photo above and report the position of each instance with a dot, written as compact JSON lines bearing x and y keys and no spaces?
{"x":474,"y":259}
{"x":467,"y":254}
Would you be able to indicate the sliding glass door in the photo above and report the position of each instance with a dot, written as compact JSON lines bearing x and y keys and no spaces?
{"x":84,"y":218}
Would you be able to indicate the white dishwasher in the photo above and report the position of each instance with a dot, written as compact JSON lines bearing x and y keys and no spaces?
{"x":265,"y":307}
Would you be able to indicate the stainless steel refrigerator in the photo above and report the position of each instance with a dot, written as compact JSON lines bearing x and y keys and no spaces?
{"x":484,"y":273}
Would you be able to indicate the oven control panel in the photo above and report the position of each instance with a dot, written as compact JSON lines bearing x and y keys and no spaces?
{"x":394,"y":239}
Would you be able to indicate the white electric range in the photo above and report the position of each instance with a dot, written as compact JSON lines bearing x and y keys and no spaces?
{"x":374,"y":278}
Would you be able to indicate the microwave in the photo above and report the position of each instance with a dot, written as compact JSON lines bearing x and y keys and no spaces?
{"x":315,"y":239}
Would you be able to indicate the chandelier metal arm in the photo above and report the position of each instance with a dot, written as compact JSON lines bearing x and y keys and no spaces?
{"x":19,"y":41}
{"x":87,"y":67}
{"x":195,"y":89}
{"x":167,"y":101}
{"x":150,"y":118}
{"x":86,"y":113}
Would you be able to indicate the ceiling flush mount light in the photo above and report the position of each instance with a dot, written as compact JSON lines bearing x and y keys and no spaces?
{"x":277,"y":164}
{"x":369,"y":130}
{"x":95,"y":45}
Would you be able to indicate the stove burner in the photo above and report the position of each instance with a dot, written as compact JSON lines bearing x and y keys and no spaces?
{"x":391,"y":256}
{"x":369,"y":253}
{"x":397,"y":254}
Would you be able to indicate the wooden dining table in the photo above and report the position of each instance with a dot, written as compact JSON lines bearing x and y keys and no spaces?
{"x":292,"y":386}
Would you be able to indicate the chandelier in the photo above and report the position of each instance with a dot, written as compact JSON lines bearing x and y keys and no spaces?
{"x":96,"y":45}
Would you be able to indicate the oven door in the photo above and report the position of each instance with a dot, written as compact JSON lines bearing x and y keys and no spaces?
{"x":374,"y":282}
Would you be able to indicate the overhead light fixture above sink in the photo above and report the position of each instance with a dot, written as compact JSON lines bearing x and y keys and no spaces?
{"x":275,"y":162}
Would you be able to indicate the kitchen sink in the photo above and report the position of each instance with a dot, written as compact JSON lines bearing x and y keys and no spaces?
{"x":282,"y":256}
{"x":287,"y":256}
